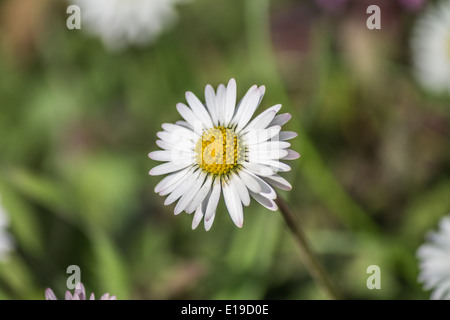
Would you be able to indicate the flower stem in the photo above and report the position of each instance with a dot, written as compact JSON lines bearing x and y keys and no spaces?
{"x":311,"y":262}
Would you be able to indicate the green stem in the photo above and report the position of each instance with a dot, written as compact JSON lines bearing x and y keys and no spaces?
{"x":310,"y":261}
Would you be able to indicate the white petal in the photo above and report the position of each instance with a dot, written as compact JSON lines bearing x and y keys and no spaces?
{"x":266,"y":189}
{"x":241,"y":106}
{"x":258,"y":169}
{"x":175,"y":156}
{"x":186,"y":185}
{"x":200,"y":195}
{"x":261,"y":121}
{"x":242,"y":190}
{"x":171,"y":188}
{"x":170,"y":180}
{"x":175,"y":139}
{"x":105,"y":296}
{"x":164,"y":145}
{"x":161,"y":155}
{"x":209,"y":223}
{"x":79,"y":293}
{"x":68,"y":296}
{"x":276,"y":165}
{"x":249,"y":181}
{"x":220,"y":103}
{"x":187,"y":197}
{"x":191,"y":208}
{"x":269,"y":145}
{"x":268,"y":203}
{"x":233,"y":204}
{"x":197,"y":218}
{"x":254,"y":137}
{"x":180,"y":131}
{"x":230,"y":101}
{"x":184,"y":124}
{"x":250,"y":107}
{"x":292,"y":155}
{"x":50,"y":295}
{"x":281,"y":119}
{"x":278,"y":182}
{"x":210,"y":98}
{"x":190,"y":117}
{"x":167,"y":167}
{"x":441,"y":291}
{"x":213,"y":200}
{"x":199,"y":109}
{"x":185,"y":146}
{"x":267,"y":155}
{"x":287,"y":135}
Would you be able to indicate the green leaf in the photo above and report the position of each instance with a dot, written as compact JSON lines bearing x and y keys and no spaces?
{"x":24,"y":222}
{"x":109,"y":267}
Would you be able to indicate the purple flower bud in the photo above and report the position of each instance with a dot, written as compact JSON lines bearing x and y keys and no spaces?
{"x":78,"y":294}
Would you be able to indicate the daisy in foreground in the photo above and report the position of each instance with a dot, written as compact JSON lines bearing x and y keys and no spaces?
{"x":78,"y":294}
{"x":431,"y":48}
{"x":434,"y":257}
{"x":126,"y":22}
{"x":218,"y":149}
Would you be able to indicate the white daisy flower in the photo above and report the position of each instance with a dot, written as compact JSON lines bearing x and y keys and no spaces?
{"x":126,"y":22}
{"x":218,"y":150}
{"x":434,"y":257}
{"x":431,"y":48}
{"x":78,"y":294}
{"x":6,"y":242}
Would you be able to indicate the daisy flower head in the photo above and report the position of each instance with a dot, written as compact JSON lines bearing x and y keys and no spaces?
{"x":120,"y":23}
{"x":430,"y":46}
{"x":6,"y":242}
{"x":434,"y":261}
{"x":219,"y":149}
{"x":78,"y":294}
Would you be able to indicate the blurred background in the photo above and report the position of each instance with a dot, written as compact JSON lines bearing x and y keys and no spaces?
{"x":77,"y":120}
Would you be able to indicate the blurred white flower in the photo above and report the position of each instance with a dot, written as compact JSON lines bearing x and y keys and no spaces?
{"x":78,"y":294}
{"x":120,"y":23}
{"x":430,"y":46}
{"x":6,"y":242}
{"x":434,"y":261}
{"x":217,"y":149}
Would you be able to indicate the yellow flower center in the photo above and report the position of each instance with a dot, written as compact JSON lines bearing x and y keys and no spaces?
{"x":219,"y":150}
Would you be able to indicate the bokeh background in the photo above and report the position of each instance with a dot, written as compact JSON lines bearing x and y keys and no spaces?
{"x":77,"y":122}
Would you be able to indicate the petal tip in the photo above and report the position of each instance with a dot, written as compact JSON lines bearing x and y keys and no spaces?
{"x":262,"y":89}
